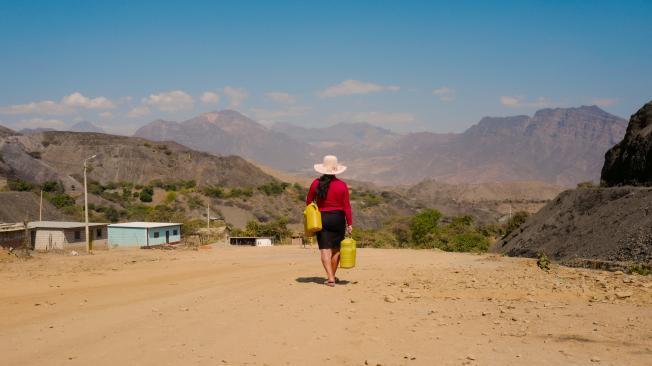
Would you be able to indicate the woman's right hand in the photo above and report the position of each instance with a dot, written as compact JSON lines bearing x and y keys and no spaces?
{"x":349,"y":229}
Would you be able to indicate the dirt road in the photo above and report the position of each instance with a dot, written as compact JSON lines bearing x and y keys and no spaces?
{"x":267,"y":306}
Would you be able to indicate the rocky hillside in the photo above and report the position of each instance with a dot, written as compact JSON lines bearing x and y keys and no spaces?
{"x":488,"y":201}
{"x":4,"y":132}
{"x":20,"y":206}
{"x":59,"y":156}
{"x":630,"y":162}
{"x":230,"y":133}
{"x":610,"y":224}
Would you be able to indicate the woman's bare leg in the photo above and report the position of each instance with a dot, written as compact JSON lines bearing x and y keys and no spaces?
{"x":335,"y":260}
{"x":326,"y":260}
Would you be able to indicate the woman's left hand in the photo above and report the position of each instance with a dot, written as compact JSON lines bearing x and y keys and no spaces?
{"x":349,"y":229}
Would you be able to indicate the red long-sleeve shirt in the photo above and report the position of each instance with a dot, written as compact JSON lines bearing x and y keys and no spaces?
{"x":337,"y":198}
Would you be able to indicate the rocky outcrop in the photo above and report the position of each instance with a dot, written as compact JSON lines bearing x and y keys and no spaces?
{"x":630,"y":161}
{"x":4,"y":132}
{"x":611,"y":224}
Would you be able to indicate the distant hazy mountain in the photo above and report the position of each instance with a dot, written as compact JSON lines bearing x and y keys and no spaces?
{"x":362,"y":134}
{"x":561,"y":146}
{"x":228,"y":132}
{"x":85,"y":126}
{"x":29,"y":131}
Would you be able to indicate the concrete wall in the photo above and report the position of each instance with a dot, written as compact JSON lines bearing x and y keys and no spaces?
{"x":127,"y":237}
{"x":64,"y":239}
{"x":174,"y":238}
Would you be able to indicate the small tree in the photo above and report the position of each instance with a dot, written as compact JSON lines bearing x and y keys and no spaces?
{"x":146,"y":194}
{"x":423,"y":224}
{"x":19,"y":185}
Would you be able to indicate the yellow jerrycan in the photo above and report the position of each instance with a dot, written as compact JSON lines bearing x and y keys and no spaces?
{"x":347,"y":253}
{"x":312,"y":219}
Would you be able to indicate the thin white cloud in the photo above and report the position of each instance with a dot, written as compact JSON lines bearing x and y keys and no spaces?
{"x":236,"y":95}
{"x":281,"y":97}
{"x":68,"y":105}
{"x":210,"y":98}
{"x":444,"y":93}
{"x":106,"y":114}
{"x":77,"y":99}
{"x":351,"y":87}
{"x":140,"y":111}
{"x":605,"y":102}
{"x":46,"y":107}
{"x":374,"y":117}
{"x":39,"y":122}
{"x":520,"y":102}
{"x":171,"y":101}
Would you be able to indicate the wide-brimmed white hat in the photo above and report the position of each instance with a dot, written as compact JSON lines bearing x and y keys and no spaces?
{"x":330,"y":166}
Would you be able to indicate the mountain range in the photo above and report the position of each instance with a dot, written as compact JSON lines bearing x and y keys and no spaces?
{"x":231,"y":133}
{"x":562,"y":146}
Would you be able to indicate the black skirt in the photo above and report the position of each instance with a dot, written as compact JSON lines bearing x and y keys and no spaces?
{"x":333,"y":226}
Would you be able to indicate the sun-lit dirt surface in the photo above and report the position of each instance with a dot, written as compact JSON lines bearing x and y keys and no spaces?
{"x":267,"y":306}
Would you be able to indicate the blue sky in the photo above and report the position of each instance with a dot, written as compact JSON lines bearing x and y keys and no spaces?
{"x":404,"y":65}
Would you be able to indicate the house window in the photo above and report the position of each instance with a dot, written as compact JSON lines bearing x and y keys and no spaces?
{"x":77,"y":235}
{"x":156,"y":234}
{"x":175,"y":232}
{"x":98,"y":233}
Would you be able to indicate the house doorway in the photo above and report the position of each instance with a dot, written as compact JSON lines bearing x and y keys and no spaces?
{"x":167,"y":237}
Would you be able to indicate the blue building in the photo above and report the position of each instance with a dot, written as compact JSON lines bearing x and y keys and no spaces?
{"x":143,"y":234}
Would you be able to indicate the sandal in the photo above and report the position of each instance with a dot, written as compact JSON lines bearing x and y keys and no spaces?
{"x":330,"y":283}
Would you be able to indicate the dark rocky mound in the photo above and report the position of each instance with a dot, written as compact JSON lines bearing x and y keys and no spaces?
{"x":630,"y":162}
{"x":609,"y":224}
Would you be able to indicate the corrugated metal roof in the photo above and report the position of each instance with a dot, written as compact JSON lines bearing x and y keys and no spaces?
{"x":60,"y":224}
{"x":11,"y":227}
{"x":145,"y":225}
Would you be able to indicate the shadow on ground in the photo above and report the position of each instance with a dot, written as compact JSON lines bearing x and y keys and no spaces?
{"x":318,"y":280}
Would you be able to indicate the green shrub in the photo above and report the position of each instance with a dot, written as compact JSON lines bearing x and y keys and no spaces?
{"x":277,"y":229}
{"x":240,"y":192}
{"x":273,"y":188}
{"x":170,"y":197}
{"x":516,"y":221}
{"x":194,"y":202}
{"x":51,"y":186}
{"x":214,"y":191}
{"x":467,"y":242}
{"x":19,"y":185}
{"x":146,"y":194}
{"x":61,"y":200}
{"x":424,"y":224}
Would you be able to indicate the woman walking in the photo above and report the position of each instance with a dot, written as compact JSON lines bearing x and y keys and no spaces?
{"x":332,"y":197}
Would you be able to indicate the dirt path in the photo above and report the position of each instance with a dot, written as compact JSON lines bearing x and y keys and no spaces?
{"x":265,"y":306}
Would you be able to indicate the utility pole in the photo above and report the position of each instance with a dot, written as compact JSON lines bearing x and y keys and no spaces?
{"x":40,"y":207}
{"x":89,"y":249}
{"x":208,"y":215}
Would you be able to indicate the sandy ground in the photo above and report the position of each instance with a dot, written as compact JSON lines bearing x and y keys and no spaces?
{"x":267,"y":306}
